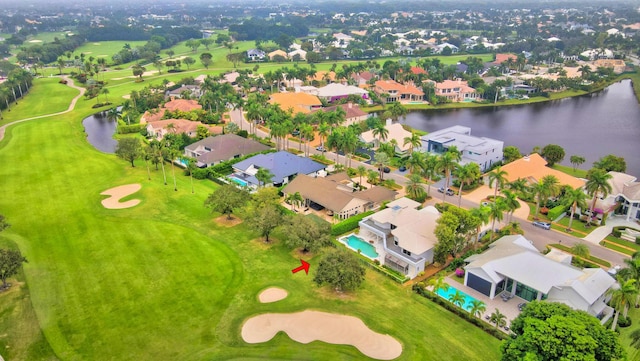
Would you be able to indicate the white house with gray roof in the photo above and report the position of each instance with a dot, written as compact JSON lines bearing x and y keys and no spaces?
{"x":481,"y":150}
{"x":512,"y":265}
{"x":404,"y":234}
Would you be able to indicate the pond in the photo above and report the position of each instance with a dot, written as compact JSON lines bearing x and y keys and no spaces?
{"x":591,"y":126}
{"x":100,"y":131}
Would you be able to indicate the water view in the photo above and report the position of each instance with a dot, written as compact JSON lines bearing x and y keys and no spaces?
{"x":591,"y":126}
{"x":100,"y":131}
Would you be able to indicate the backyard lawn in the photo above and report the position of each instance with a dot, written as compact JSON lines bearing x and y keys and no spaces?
{"x":163,"y":280}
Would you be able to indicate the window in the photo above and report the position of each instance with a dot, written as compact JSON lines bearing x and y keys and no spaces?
{"x":395,"y":242}
{"x":406,"y":252}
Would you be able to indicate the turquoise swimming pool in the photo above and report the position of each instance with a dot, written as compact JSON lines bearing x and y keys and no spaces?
{"x":358,"y":244}
{"x":238,"y":181}
{"x":451,"y":291}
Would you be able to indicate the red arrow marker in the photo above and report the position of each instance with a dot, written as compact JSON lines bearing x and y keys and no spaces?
{"x":305,"y":267}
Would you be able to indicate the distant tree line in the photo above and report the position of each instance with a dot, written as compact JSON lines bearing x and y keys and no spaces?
{"x":260,"y":29}
{"x":49,"y":52}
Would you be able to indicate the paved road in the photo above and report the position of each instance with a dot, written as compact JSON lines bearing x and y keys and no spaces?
{"x":540,"y":237}
{"x":72,"y":105}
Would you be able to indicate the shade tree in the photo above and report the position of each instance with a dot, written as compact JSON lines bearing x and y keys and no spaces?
{"x":340,"y":270}
{"x":10,"y":262}
{"x":129,"y":149}
{"x":226,"y":199}
{"x":306,"y":233}
{"x":553,"y":154}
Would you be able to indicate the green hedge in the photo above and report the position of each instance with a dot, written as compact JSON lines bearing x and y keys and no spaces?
{"x":128,"y":129}
{"x":556,"y":211}
{"x":348,"y":224}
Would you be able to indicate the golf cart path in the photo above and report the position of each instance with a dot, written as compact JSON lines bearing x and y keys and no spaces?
{"x":72,"y":105}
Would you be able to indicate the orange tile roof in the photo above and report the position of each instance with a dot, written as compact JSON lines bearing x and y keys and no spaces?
{"x":534,"y":168}
{"x":185,"y":105}
{"x":388,"y":85}
{"x":320,"y":75}
{"x":417,"y":70}
{"x":299,"y":102}
{"x":152,"y":116}
{"x":500,"y":58}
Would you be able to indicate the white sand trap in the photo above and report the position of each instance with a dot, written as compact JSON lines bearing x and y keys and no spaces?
{"x":308,"y":326}
{"x":96,"y":43}
{"x":35,"y":41}
{"x":118,"y":193}
{"x":273,"y":294}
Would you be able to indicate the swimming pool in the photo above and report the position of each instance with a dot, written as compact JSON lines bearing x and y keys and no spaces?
{"x":451,"y":291}
{"x":358,"y":244}
{"x":239,"y":181}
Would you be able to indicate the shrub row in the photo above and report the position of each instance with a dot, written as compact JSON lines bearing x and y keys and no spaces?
{"x":556,"y":212}
{"x":393,"y":275}
{"x":417,"y":288}
{"x":128,"y":129}
{"x":348,"y":224}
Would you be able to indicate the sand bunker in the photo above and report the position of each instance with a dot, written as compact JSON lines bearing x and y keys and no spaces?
{"x":308,"y":326}
{"x":118,"y":193}
{"x":35,"y":41}
{"x":273,"y":294}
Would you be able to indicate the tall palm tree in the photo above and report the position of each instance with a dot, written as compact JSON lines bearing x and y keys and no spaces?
{"x":446,"y":165}
{"x":380,"y":132}
{"x":482,"y":213}
{"x":497,"y":318}
{"x":499,"y":177}
{"x":361,"y":171}
{"x":477,"y":308}
{"x":415,"y":162}
{"x":519,"y":186}
{"x":381,"y":161}
{"x":622,"y":297}
{"x":597,"y":186}
{"x":511,"y":202}
{"x":263,"y":175}
{"x":457,"y":299}
{"x":581,"y":250}
{"x":466,"y":174}
{"x":413,"y":141}
{"x":307,"y":133}
{"x":496,"y":210}
{"x":438,"y":283}
{"x":414,"y":187}
{"x":575,"y":198}
{"x":429,"y":168}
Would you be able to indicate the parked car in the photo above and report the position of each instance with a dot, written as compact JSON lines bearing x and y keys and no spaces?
{"x":320,"y":148}
{"x":450,"y":191}
{"x":386,"y":169}
{"x":543,"y":225}
{"x":402,"y":168}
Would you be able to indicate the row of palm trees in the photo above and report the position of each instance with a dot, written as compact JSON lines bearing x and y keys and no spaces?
{"x":628,"y":292}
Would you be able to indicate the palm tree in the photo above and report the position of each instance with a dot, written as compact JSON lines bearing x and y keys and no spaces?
{"x":575,"y":198}
{"x":499,"y":177}
{"x":413,"y":141}
{"x":416,"y":162}
{"x":622,"y":297}
{"x":361,"y":171}
{"x":477,"y":308}
{"x":306,"y":131}
{"x":597,"y":186}
{"x":481,"y":213}
{"x":381,"y":161}
{"x":429,"y":169}
{"x":323,"y":131}
{"x":380,"y":132}
{"x":519,"y":186}
{"x":414,"y":187}
{"x":457,"y":299}
{"x":511,"y":202}
{"x":171,"y":154}
{"x":396,"y":110}
{"x":498,"y":319}
{"x":157,"y":157}
{"x":388,"y":148}
{"x":466,"y":174}
{"x":438,"y":283}
{"x":581,"y":250}
{"x":545,"y":188}
{"x":263,"y":175}
{"x":446,"y":164}
{"x":496,"y":210}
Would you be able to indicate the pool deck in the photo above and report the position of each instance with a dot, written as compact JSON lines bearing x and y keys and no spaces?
{"x":509,"y":308}
{"x":375,"y":245}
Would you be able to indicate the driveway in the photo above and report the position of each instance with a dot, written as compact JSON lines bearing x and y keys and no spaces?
{"x":598,"y":234}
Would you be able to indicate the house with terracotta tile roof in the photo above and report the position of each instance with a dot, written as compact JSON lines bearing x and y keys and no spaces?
{"x":297,"y":102}
{"x":417,"y":70}
{"x":398,"y":92}
{"x":324,"y":76}
{"x":362,"y":78}
{"x":533,"y":168}
{"x":160,"y":128}
{"x":502,"y":57}
{"x":183,"y":105}
{"x":353,"y":113}
{"x":456,"y":90}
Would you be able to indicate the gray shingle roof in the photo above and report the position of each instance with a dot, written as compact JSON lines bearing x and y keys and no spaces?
{"x":281,"y":164}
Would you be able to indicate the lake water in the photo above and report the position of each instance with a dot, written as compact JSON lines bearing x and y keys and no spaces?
{"x":592,"y":126}
{"x":100,"y":131}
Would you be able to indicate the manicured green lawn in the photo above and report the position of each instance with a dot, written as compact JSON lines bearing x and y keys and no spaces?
{"x":46,"y":96}
{"x":579,"y":173}
{"x":105,"y":49}
{"x":162,"y":280}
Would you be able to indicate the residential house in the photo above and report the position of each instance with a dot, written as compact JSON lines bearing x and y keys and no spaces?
{"x":398,"y":92}
{"x":256,"y":54}
{"x":336,"y":91}
{"x":336,"y":193}
{"x":624,"y":198}
{"x":342,"y":40}
{"x":504,"y":57}
{"x":278,"y":52}
{"x":440,"y":47}
{"x":185,"y":91}
{"x":183,"y":105}
{"x":298,"y":53}
{"x":159,"y":129}
{"x":480,"y":150}
{"x":593,"y":54}
{"x":514,"y":266}
{"x":403,"y":235}
{"x":353,"y":113}
{"x":533,"y":168}
{"x":396,"y":132}
{"x":296,"y":102}
{"x":362,"y":78}
{"x":283,"y":165}
{"x":456,"y":91}
{"x":213,"y":150}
